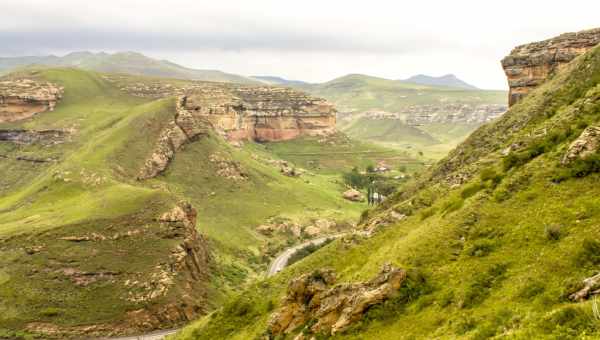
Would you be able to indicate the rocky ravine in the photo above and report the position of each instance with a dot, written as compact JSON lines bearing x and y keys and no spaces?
{"x":24,"y":98}
{"x":530,"y":65}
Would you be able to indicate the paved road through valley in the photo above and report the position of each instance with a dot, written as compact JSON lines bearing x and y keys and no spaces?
{"x":282,"y":259}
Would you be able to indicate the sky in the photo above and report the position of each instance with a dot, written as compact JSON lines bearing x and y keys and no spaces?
{"x":308,"y":40}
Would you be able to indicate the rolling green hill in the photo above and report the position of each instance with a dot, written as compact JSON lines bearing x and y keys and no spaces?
{"x":357,"y":92}
{"x":498,"y":236}
{"x":123,"y":62}
{"x":421,"y":116}
{"x":82,"y":248}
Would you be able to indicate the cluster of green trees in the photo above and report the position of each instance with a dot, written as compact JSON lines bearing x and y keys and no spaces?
{"x":377,"y":182}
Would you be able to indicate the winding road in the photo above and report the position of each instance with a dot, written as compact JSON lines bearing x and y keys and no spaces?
{"x":282,"y":259}
{"x":276,"y":266}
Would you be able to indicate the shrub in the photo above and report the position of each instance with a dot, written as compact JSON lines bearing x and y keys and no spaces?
{"x":553,"y":232}
{"x":589,"y":253}
{"x":471,"y":190}
{"x":426,"y":213}
{"x":50,"y":312}
{"x":490,"y":175}
{"x":579,"y":168}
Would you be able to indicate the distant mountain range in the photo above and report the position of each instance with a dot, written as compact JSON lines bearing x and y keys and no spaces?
{"x":448,"y":80}
{"x":272,"y":80}
{"x":123,"y":62}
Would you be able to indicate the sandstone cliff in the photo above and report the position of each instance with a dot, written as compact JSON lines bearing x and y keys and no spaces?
{"x":259,"y":113}
{"x":24,"y":98}
{"x":530,"y":65}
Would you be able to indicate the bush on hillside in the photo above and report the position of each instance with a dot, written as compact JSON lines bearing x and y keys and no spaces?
{"x":589,"y":254}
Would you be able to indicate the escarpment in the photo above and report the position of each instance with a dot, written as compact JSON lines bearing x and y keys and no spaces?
{"x":262,"y":114}
{"x":24,"y":98}
{"x":530,"y":65}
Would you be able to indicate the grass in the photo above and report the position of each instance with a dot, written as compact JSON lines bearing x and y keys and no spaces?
{"x":91,"y":189}
{"x":481,"y":242}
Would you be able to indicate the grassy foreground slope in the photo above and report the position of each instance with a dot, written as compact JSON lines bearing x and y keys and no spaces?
{"x":500,"y":232}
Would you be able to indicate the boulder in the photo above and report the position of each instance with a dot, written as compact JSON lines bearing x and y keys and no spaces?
{"x":331,"y":309}
{"x":585,"y":145}
{"x":353,"y":195}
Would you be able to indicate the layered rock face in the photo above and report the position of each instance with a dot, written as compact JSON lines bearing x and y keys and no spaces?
{"x":261,"y":113}
{"x":310,"y":297}
{"x":530,"y":65}
{"x":24,"y":98}
{"x":239,"y":113}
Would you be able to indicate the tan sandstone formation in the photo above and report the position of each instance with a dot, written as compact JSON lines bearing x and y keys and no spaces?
{"x":310,"y":297}
{"x":530,"y":65}
{"x":187,"y":270}
{"x":261,"y":113}
{"x":24,"y":98}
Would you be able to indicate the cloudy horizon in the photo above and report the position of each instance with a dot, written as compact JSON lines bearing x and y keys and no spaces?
{"x":310,"y":41}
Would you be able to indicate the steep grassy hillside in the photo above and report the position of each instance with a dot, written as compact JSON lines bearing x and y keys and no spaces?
{"x":497,"y":236}
{"x":123,"y":62}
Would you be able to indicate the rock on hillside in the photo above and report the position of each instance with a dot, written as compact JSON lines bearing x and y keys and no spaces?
{"x":529,"y":65}
{"x":332,"y":309}
{"x":24,"y":98}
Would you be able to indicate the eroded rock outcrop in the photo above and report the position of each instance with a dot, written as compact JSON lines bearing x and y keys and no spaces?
{"x":310,"y":297}
{"x":183,"y":129}
{"x":31,"y":136}
{"x":530,"y":65}
{"x":585,"y":145}
{"x":187,"y":269}
{"x":24,"y":98}
{"x":261,"y":113}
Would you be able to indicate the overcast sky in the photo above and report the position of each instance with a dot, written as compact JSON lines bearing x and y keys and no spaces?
{"x":307,"y":40}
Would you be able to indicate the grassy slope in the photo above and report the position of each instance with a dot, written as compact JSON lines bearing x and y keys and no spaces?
{"x":77,"y":195}
{"x":360,"y":93}
{"x":339,"y":153}
{"x":91,"y":189}
{"x":499,"y":254}
{"x":388,"y":130}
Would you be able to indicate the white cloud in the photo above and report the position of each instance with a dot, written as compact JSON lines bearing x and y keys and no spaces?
{"x":309,"y":40}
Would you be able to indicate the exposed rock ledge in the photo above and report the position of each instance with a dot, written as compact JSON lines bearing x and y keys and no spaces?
{"x":259,"y":113}
{"x":183,"y":129}
{"x":333,"y":309}
{"x":23,"y":98}
{"x":530,"y":65}
{"x":584,"y":146}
